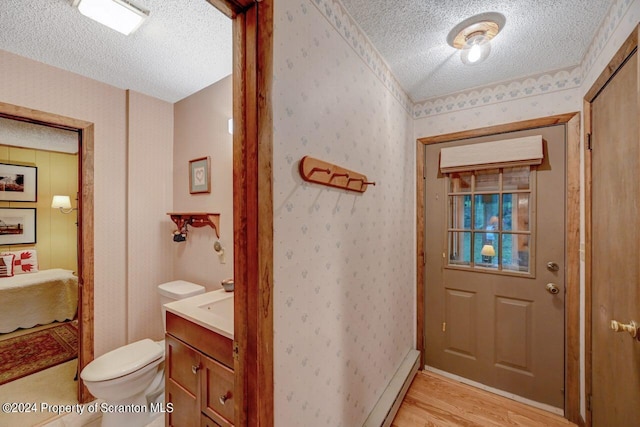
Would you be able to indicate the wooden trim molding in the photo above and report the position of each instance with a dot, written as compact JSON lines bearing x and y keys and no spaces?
{"x":85,"y":224}
{"x":420,"y":249}
{"x":572,"y":254}
{"x":499,"y":129}
{"x":624,"y":52}
{"x":588,"y":206}
{"x":253,"y":211}
{"x":264,"y":296}
{"x":232,"y":8}
{"x":572,"y":280}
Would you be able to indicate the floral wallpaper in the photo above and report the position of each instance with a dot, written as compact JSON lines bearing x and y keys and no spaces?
{"x":344,"y":264}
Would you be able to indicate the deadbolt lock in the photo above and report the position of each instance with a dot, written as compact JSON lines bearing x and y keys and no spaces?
{"x":552,"y":266}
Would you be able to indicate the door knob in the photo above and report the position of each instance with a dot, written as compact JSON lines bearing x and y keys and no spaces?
{"x":631,"y":327}
{"x":552,"y":288}
{"x":223,"y":399}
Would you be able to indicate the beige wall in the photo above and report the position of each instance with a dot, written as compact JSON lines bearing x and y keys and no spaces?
{"x":149,"y":198}
{"x":56,"y":233}
{"x":201,"y":130}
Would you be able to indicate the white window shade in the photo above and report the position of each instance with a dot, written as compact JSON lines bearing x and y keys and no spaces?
{"x":494,"y":154}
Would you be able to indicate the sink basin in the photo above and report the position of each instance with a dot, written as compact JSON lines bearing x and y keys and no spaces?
{"x":212,"y":310}
{"x":221,"y":307}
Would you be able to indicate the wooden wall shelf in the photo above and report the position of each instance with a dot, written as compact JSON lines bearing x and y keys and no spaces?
{"x":196,"y":219}
{"x":321,"y":172}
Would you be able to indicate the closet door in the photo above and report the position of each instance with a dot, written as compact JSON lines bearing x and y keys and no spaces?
{"x":615,"y":245}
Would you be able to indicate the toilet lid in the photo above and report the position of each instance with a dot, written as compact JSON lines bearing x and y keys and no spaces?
{"x":122,"y":361}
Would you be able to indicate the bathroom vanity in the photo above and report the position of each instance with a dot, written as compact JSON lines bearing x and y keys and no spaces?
{"x":199,"y":379}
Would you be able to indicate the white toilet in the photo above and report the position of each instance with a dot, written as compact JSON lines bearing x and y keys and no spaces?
{"x":130,"y":377}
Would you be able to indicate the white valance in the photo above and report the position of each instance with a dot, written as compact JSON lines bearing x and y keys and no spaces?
{"x":494,"y":154}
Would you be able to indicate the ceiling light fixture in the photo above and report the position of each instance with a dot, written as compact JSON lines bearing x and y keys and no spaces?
{"x":120,"y":15}
{"x":473,"y":36}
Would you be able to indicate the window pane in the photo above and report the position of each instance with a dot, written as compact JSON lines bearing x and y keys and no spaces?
{"x":487,"y":212}
{"x":460,"y":182}
{"x":485,"y":249}
{"x":515,"y":209}
{"x":515,"y":252}
{"x":459,"y":248}
{"x":515,"y":178}
{"x":487,"y":180}
{"x":460,"y":212}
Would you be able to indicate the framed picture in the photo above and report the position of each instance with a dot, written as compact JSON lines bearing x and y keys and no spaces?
{"x":17,"y":226}
{"x":200,"y":175}
{"x":18,"y":183}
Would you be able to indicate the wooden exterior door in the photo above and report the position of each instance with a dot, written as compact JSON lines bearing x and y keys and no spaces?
{"x":615,"y":244}
{"x":489,"y":316}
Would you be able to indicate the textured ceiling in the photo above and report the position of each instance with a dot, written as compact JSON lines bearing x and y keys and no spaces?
{"x":185,"y":46}
{"x":539,"y":36}
{"x":177,"y":51}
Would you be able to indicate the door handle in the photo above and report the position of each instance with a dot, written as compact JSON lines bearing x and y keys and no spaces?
{"x":552,"y":288}
{"x":631,"y":327}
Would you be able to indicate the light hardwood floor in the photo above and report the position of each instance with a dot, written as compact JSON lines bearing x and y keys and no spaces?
{"x":433,"y":400}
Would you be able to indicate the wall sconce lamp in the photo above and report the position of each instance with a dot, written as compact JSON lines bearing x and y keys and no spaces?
{"x":488,"y":250}
{"x":120,"y":15}
{"x":63,"y":203}
{"x":473,"y":36}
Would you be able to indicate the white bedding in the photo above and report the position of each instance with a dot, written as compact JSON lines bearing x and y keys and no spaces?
{"x":37,"y":298}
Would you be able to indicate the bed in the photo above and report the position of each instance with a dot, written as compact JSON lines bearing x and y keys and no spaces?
{"x":37,"y":298}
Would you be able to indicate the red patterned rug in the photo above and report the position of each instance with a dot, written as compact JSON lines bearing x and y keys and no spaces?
{"x":26,"y":354}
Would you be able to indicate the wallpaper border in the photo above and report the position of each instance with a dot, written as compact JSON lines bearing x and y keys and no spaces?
{"x":604,"y":33}
{"x":567,"y":78}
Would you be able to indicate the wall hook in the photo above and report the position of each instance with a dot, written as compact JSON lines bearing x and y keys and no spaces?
{"x":325,"y":170}
{"x":333,"y":176}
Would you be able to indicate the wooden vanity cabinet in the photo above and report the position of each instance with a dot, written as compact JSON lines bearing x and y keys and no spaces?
{"x":199,"y":376}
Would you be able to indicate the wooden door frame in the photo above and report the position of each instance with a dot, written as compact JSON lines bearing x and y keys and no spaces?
{"x":572,"y":242}
{"x":85,"y":222}
{"x":624,"y":52}
{"x":252,"y":207}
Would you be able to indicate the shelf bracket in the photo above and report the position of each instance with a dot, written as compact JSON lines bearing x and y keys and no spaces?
{"x":196,"y":219}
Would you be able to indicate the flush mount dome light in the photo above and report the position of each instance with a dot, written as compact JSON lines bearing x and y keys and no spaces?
{"x":473,"y":36}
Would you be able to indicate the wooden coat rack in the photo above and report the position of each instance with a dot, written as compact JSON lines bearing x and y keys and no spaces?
{"x":324,"y":173}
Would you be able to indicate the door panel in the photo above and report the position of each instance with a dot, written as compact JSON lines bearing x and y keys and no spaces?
{"x":461,"y":312}
{"x":513,"y":325}
{"x":502,"y":330}
{"x":615,"y":246}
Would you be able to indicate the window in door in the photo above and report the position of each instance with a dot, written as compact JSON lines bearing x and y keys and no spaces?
{"x":490,"y":215}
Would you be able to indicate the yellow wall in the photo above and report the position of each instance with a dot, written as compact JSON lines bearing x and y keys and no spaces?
{"x":56,"y":240}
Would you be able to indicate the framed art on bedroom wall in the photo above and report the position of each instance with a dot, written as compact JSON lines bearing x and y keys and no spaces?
{"x":17,"y":226}
{"x":18,"y":183}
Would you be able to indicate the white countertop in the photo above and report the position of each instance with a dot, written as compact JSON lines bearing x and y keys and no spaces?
{"x":218,"y":318}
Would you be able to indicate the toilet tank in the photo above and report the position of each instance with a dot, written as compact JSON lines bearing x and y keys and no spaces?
{"x":174,"y":291}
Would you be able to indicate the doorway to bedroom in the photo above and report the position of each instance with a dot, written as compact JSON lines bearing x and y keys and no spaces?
{"x":38,"y":262}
